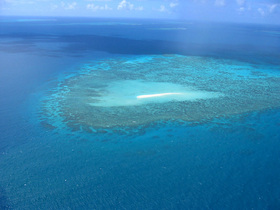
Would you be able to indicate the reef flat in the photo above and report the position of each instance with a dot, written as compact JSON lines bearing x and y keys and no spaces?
{"x":139,"y":90}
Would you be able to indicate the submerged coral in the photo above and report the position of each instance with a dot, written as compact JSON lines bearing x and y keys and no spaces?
{"x":128,"y":92}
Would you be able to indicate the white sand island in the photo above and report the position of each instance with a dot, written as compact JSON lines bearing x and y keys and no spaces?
{"x":157,"y":95}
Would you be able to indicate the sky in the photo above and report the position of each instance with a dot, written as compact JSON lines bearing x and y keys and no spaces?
{"x":254,"y":11}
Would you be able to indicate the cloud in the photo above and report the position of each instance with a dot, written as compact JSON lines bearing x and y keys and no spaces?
{"x":261,"y":11}
{"x":168,"y":7}
{"x":98,"y":7}
{"x":241,"y":9}
{"x":268,"y":9}
{"x":68,"y":6}
{"x":173,"y":4}
{"x":125,"y":5}
{"x":162,"y":8}
{"x":272,"y":7}
{"x":220,"y":3}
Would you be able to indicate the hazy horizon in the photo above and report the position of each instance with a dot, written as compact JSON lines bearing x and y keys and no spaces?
{"x":238,"y":11}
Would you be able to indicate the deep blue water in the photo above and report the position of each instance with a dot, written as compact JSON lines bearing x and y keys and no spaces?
{"x":226,"y":163}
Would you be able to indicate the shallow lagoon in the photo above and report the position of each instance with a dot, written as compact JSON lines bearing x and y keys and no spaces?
{"x":144,"y":90}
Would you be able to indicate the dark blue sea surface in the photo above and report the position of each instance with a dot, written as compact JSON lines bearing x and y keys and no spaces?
{"x":227,"y":162}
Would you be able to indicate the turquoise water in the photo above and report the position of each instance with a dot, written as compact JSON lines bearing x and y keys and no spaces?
{"x":75,"y":136}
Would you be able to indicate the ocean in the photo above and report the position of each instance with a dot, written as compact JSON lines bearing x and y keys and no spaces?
{"x":138,"y":114}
